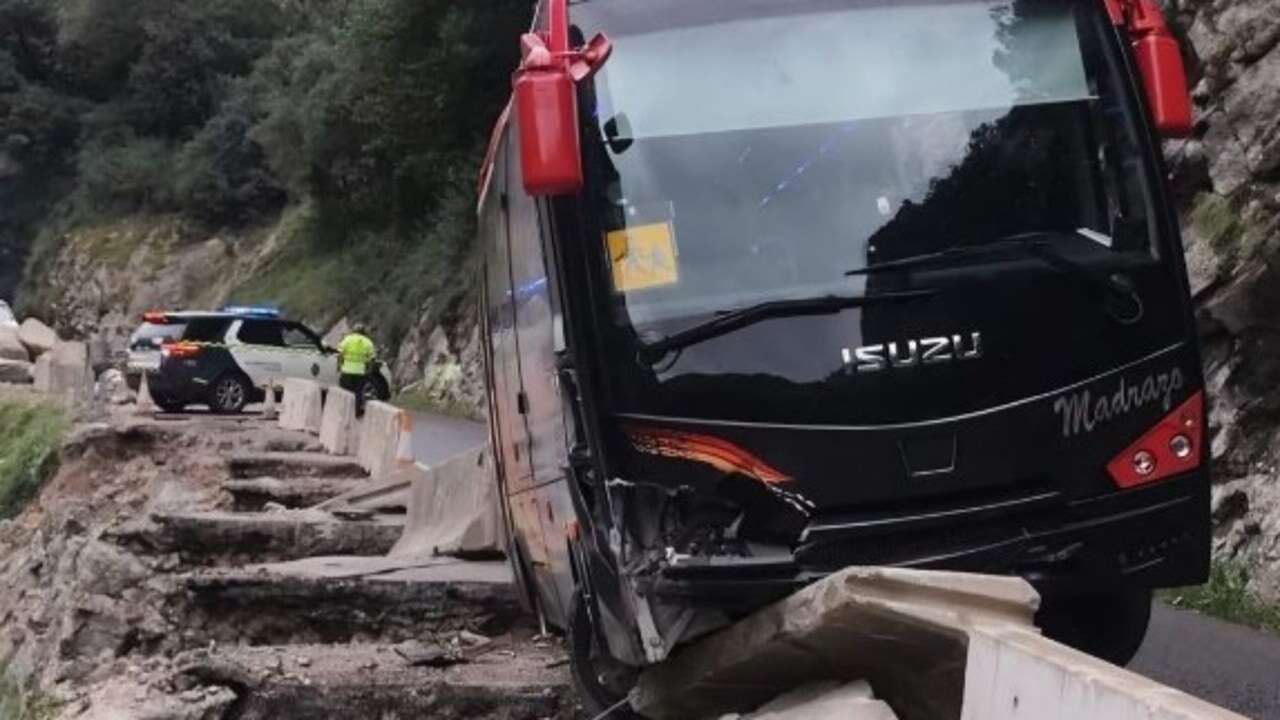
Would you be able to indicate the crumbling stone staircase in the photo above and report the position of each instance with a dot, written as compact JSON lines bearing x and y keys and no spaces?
{"x":284,"y":611}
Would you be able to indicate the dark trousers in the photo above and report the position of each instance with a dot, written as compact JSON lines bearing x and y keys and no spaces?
{"x":354,"y":384}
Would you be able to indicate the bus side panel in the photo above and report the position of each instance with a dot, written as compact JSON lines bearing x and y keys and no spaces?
{"x":510,"y":436}
{"x":536,"y":317}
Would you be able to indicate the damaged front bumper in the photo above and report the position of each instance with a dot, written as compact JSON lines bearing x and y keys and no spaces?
{"x":1153,"y":537}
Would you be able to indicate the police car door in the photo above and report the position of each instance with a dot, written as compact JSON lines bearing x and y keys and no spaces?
{"x":319,"y":365}
{"x":259,"y":351}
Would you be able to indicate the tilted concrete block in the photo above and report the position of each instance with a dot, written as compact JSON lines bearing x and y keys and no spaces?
{"x":826,"y":701}
{"x":454,"y":509}
{"x":932,"y":644}
{"x":303,"y":406}
{"x":380,"y":438}
{"x":338,"y":427}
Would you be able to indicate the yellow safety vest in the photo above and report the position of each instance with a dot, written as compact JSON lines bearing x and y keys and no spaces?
{"x":357,"y":350}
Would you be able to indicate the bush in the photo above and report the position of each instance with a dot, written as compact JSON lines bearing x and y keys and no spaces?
{"x":126,"y":174}
{"x":221,"y":176}
{"x":18,"y":703}
{"x":28,"y":451}
{"x":1227,"y":596}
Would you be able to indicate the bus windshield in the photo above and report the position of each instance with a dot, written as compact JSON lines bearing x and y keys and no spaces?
{"x":752,"y":152}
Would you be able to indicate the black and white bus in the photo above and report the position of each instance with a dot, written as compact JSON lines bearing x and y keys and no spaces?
{"x":776,"y":288}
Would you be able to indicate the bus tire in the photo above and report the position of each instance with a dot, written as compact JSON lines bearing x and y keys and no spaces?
{"x":584,"y":667}
{"x":1109,"y":626}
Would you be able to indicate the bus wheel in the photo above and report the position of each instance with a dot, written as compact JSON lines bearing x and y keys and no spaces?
{"x":1108,"y":626}
{"x":601,"y":683}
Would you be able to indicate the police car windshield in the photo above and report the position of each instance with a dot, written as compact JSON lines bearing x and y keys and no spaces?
{"x":760,"y":150}
{"x":152,"y":332}
{"x":207,"y":330}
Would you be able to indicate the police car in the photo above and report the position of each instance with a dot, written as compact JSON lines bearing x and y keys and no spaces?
{"x":225,"y":359}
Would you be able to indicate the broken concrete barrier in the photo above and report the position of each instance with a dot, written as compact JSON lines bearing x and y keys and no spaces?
{"x":338,"y":427}
{"x":37,"y":337}
{"x":454,"y":509}
{"x":11,"y":348}
{"x":380,"y":438}
{"x":303,"y":406}
{"x":64,"y":371}
{"x":15,"y":372}
{"x":826,"y":701}
{"x":932,"y":644}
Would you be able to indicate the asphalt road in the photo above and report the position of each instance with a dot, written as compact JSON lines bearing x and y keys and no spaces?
{"x":1226,"y":664}
{"x":437,"y":438}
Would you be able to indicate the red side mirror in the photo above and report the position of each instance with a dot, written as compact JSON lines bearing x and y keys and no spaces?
{"x":546,"y":104}
{"x":1159,"y":60}
{"x":1165,"y":79}
{"x":547,"y":115}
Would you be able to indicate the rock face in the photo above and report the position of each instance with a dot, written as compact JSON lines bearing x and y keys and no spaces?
{"x":11,"y":348}
{"x":441,"y":363}
{"x":37,"y":337}
{"x":1228,"y":180}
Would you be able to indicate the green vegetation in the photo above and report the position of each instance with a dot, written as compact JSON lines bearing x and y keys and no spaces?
{"x":1217,"y":221}
{"x":19,"y":704}
{"x":28,"y":451}
{"x":418,"y":400}
{"x":1227,"y":596}
{"x":370,"y":114}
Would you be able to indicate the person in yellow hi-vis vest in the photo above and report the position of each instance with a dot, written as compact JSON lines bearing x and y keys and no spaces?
{"x":355,"y":353}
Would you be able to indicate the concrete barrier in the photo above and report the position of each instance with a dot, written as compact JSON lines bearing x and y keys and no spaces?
{"x":454,"y":509}
{"x":338,"y":426}
{"x":933,"y":645}
{"x":303,"y":406}
{"x":380,"y":438}
{"x":64,"y":371}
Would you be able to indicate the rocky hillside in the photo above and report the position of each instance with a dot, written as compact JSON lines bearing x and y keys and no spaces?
{"x":1228,"y":177}
{"x":319,"y":155}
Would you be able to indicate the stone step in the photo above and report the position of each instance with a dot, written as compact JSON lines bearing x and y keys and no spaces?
{"x":246,"y":466}
{"x":253,"y":495}
{"x":221,"y":538}
{"x":347,"y":599}
{"x":517,"y":678}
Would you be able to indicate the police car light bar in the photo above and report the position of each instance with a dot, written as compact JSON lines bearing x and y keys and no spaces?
{"x":267,"y":311}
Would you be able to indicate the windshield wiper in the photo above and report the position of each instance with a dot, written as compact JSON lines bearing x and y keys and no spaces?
{"x":1036,"y":244}
{"x":727,"y":321}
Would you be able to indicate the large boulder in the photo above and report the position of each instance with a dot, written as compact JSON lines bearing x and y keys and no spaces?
{"x":15,"y":372}
{"x":11,"y":348}
{"x":37,"y":337}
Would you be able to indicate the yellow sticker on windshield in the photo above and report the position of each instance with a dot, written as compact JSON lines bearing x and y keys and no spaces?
{"x":643,"y":256}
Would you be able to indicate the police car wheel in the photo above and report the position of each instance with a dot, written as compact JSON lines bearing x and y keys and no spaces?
{"x":229,"y":394}
{"x":599,"y":680}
